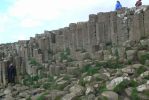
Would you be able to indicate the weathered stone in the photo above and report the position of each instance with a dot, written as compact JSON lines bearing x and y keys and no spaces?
{"x":128,"y":91}
{"x":91,"y":30}
{"x":103,"y":28}
{"x":69,"y":96}
{"x":7,"y":91}
{"x":143,"y":87}
{"x":88,"y":78}
{"x":136,"y":31}
{"x":77,"y":90}
{"x":72,"y":70}
{"x":144,"y":74}
{"x":128,"y":70}
{"x":131,"y":54}
{"x":110,"y":95}
{"x":8,"y":97}
{"x":146,"y":22}
{"x":98,"y":55}
{"x":54,"y":94}
{"x":115,"y":82}
{"x":89,"y":90}
{"x":141,"y":53}
{"x":136,"y":66}
{"x":107,"y":55}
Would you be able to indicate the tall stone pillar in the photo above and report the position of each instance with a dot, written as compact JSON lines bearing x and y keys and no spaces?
{"x":136,"y":31}
{"x":1,"y":76}
{"x":19,"y":69}
{"x":73,"y":45}
{"x":113,"y":21}
{"x":91,"y":28}
{"x":59,"y":41}
{"x":122,"y":30}
{"x":4,"y":71}
{"x":103,"y":31}
{"x":146,"y":22}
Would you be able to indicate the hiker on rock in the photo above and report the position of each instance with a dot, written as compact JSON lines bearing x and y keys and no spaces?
{"x":118,"y":6}
{"x":138,"y":3}
{"x":11,"y":73}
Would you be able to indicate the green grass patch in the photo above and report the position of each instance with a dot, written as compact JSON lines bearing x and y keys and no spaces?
{"x":101,"y":88}
{"x":146,"y":77}
{"x":140,"y":70}
{"x":146,"y":93}
{"x":82,"y":82}
{"x":89,"y":69}
{"x":125,"y":84}
{"x":134,"y":94}
{"x":144,"y":57}
{"x":41,"y":97}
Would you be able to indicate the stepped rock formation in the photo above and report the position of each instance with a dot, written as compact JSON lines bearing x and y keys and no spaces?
{"x":105,"y":36}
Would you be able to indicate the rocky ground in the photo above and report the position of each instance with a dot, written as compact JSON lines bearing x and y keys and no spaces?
{"x":95,"y":80}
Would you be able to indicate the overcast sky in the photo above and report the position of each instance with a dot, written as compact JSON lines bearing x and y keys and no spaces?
{"x":21,"y":19}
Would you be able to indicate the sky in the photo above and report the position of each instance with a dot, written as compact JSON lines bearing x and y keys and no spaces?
{"x":22,"y":19}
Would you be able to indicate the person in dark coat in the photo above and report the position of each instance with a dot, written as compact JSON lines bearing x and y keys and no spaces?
{"x":138,"y":3}
{"x":11,"y":73}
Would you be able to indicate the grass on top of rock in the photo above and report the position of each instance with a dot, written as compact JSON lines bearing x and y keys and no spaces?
{"x":146,"y":77}
{"x":102,"y":88}
{"x":109,"y":64}
{"x":140,"y":70}
{"x":41,"y":97}
{"x":34,"y":62}
{"x":93,"y":68}
{"x":134,"y":94}
{"x":144,"y":57}
{"x":65,"y":55}
{"x":82,"y":82}
{"x":30,"y":80}
{"x":125,"y":84}
{"x":51,"y":84}
{"x":89,"y":69}
{"x":146,"y":93}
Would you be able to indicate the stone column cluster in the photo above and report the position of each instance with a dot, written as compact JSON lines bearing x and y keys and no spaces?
{"x":102,"y":29}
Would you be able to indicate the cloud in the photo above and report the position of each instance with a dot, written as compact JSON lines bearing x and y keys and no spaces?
{"x":20,"y":36}
{"x":34,"y":13}
{"x":30,"y":23}
{"x":36,"y":9}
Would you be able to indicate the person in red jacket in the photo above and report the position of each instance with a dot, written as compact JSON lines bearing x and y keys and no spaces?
{"x":138,"y":3}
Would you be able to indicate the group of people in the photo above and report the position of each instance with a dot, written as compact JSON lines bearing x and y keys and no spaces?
{"x":119,"y":6}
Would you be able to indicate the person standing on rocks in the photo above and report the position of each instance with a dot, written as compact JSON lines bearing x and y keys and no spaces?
{"x":138,"y":3}
{"x":11,"y":73}
{"x":118,"y":5}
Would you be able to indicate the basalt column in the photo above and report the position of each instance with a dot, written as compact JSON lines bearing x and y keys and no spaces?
{"x":4,"y":66}
{"x":91,"y":28}
{"x":72,"y":30}
{"x":113,"y":21}
{"x":136,"y":31}
{"x":146,"y":22}
{"x":103,"y":31}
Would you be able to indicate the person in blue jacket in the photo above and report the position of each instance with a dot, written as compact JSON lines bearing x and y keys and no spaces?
{"x":118,"y":6}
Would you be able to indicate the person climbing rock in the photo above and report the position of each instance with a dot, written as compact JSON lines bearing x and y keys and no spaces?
{"x":11,"y":73}
{"x":118,"y":5}
{"x":138,"y":3}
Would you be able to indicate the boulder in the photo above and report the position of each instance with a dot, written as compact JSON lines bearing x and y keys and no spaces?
{"x":115,"y":82}
{"x":110,"y":95}
{"x":77,"y":90}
